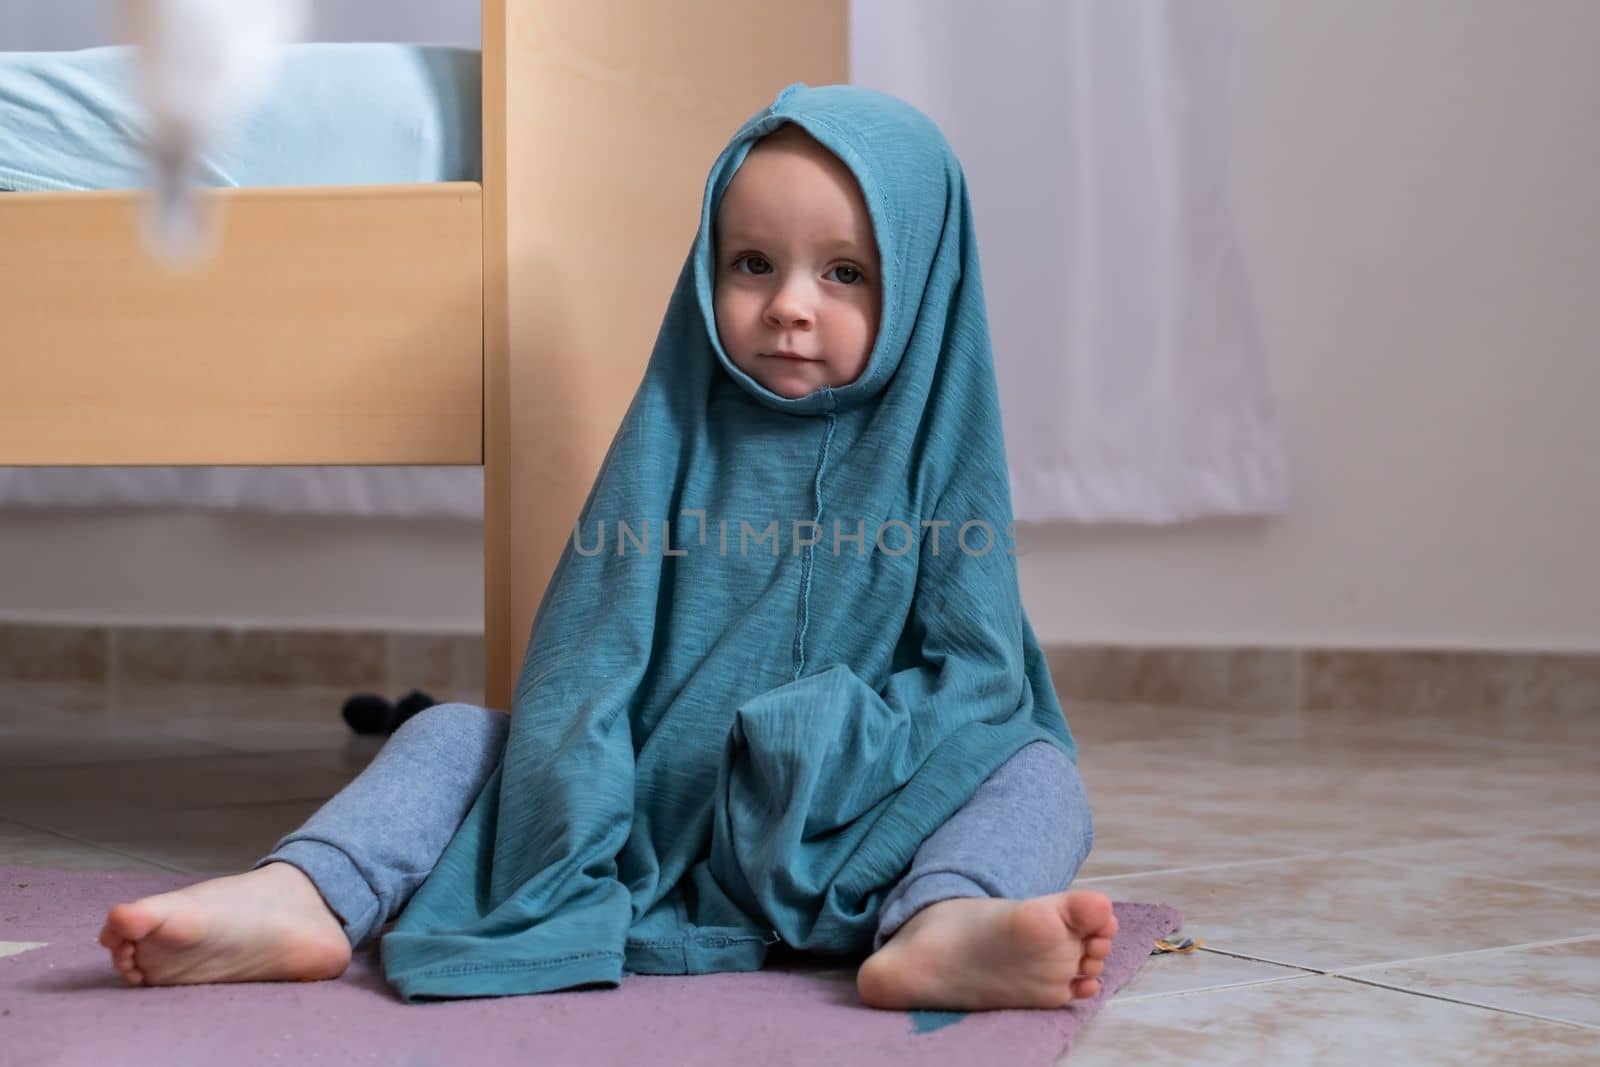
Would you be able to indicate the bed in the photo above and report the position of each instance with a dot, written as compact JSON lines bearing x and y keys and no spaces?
{"x":416,"y":324}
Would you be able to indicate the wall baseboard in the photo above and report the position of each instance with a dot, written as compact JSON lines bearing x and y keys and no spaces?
{"x":450,"y":666}
{"x":1394,"y":680}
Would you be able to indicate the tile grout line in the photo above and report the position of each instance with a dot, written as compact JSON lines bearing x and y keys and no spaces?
{"x":223,"y":752}
{"x":244,"y":805}
{"x":1209,"y":867}
{"x":1345,"y":975}
{"x":1341,"y":972}
{"x":1547,"y":886}
{"x":97,"y":845}
{"x":1261,"y":959}
{"x":1299,"y":665}
{"x":1356,"y":854}
{"x":1486,"y":877}
{"x":1305,"y":972}
{"x":113,"y":666}
{"x":1466,"y":1003}
{"x":1253,"y":983}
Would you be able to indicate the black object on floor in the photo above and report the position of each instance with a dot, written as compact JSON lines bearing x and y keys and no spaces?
{"x":369,"y":713}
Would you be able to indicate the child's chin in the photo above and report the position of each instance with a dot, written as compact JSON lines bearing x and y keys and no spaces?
{"x":791,"y":387}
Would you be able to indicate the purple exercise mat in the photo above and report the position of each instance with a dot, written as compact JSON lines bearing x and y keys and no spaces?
{"x":63,"y":1004}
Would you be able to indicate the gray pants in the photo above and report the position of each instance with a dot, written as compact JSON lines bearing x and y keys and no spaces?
{"x":1024,"y":833}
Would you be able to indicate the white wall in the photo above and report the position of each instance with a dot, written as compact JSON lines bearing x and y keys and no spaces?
{"x":196,"y":568}
{"x":1417,"y":186}
{"x":1419,"y":193}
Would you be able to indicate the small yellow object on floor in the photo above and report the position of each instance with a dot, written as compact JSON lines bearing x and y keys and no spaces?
{"x":1184,"y":945}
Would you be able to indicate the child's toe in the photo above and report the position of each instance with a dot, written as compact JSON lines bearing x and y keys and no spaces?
{"x":1088,"y":914}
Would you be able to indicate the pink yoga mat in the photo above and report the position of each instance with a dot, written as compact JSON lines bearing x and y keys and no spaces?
{"x":63,"y":1004}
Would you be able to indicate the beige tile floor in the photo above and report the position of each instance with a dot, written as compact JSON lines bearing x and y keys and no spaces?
{"x":1370,"y":888}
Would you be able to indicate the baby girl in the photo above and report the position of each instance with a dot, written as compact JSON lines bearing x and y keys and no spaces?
{"x":851,"y":747}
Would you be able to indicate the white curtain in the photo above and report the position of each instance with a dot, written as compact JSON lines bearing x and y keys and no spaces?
{"x":1094,"y":135}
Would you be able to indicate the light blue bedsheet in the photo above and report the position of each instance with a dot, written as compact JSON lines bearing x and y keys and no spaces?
{"x":337,"y":114}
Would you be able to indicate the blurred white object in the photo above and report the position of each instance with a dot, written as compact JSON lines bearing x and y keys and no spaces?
{"x":202,"y":64}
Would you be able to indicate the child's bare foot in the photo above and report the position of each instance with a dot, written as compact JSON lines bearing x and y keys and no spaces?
{"x":976,"y":954}
{"x":267,"y":925}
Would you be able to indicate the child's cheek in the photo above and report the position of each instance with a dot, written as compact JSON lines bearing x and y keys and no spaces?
{"x":727,"y":332}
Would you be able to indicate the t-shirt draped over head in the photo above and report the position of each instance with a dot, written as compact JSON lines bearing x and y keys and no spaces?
{"x":727,"y":734}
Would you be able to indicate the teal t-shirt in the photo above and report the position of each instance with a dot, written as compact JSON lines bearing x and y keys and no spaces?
{"x":740,"y":732}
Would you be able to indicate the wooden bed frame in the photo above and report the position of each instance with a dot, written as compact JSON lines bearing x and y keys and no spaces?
{"x":504,"y":323}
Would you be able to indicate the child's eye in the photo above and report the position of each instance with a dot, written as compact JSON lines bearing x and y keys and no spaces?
{"x":753,"y":264}
{"x":844,"y":274}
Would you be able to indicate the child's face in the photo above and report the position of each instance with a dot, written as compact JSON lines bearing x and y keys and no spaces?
{"x":798,"y":291}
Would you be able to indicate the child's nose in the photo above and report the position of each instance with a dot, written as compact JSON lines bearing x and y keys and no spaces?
{"x":789,"y":308}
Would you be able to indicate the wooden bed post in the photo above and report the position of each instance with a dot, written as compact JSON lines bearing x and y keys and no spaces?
{"x":499,"y":646}
{"x":600,"y":121}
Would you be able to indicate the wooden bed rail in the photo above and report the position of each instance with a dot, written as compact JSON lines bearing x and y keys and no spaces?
{"x":334,"y":326}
